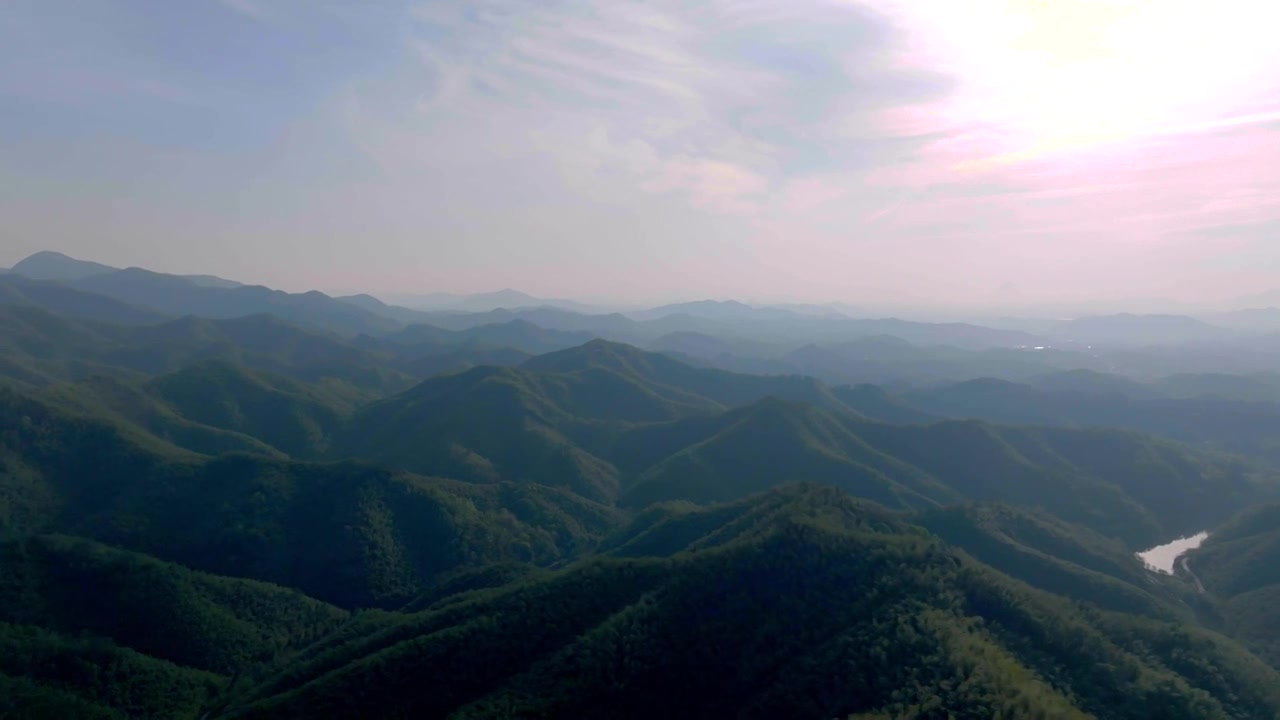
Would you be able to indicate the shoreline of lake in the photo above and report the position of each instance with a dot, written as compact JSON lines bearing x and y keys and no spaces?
{"x":1162,"y":557}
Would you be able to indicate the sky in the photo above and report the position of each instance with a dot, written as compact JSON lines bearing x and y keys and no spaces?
{"x":925,"y":153}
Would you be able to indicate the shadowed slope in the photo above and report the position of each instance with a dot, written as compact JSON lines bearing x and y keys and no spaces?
{"x":756,"y":625}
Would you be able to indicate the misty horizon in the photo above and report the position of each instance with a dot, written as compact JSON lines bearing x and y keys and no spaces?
{"x":440,"y":300}
{"x":515,"y":299}
{"x":893,"y":156}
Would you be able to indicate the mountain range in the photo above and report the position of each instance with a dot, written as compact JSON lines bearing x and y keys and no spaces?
{"x":222,"y":501}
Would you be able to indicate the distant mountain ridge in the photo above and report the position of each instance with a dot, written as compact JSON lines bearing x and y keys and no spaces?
{"x":17,"y":289}
{"x":243,"y":517}
{"x":1129,"y":329}
{"x":201,"y":295}
{"x":48,"y":265}
{"x":182,"y":297}
{"x":1222,"y":423}
{"x":487,"y":302}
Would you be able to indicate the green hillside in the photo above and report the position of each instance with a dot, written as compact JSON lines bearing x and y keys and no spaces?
{"x":45,"y":675}
{"x":1239,"y":564}
{"x":1221,"y":421}
{"x":775,"y":442}
{"x":1121,"y":484}
{"x":802,"y":616}
{"x":611,"y":423}
{"x":387,"y":535}
{"x":17,"y":290}
{"x":223,"y":625}
{"x":240,"y":518}
{"x":294,"y":418}
{"x":671,"y":378}
{"x":181,"y":296}
{"x":60,"y":348}
{"x":130,"y":403}
{"x":1067,"y":560}
{"x":488,"y":424}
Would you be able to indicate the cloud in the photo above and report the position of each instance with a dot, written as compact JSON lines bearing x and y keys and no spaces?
{"x":713,"y":185}
{"x":824,"y":148}
{"x":721,"y":102}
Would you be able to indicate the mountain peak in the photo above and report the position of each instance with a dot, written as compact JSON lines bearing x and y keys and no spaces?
{"x":593,"y":353}
{"x":51,"y":265}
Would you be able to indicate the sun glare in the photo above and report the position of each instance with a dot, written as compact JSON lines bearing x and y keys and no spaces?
{"x":1061,"y":74}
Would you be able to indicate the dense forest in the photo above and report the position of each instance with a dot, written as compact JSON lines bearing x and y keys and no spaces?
{"x":228,"y":502}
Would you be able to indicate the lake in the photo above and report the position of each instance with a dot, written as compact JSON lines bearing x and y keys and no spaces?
{"x":1162,"y":557}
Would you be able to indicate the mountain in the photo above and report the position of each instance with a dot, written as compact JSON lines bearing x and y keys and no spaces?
{"x":833,"y":309}
{"x":39,"y":348}
{"x":179,"y":296}
{"x":286,"y":414}
{"x":1065,"y":559}
{"x":57,"y":298}
{"x":613,"y":326}
{"x":726,"y":311}
{"x":668,"y":376}
{"x":1091,"y":382}
{"x":490,"y":423}
{"x":48,"y":347}
{"x":92,"y":631}
{"x":554,"y":419}
{"x":1013,"y":403}
{"x":486,"y":302}
{"x":372,"y":304}
{"x":772,"y":323}
{"x":448,"y":360}
{"x":525,"y":336}
{"x":573,"y":420}
{"x":516,"y":334}
{"x":776,"y":442}
{"x":873,"y":402}
{"x":47,"y":675}
{"x":387,"y":536}
{"x":55,"y":266}
{"x":1235,"y":426}
{"x":712,"y":347}
{"x":129,"y":404}
{"x":885,"y":359}
{"x":222,"y":625}
{"x":1135,"y":330}
{"x":812,"y":585}
{"x":1259,"y":387}
{"x":744,"y":323}
{"x":611,"y":422}
{"x":241,"y":517}
{"x":1239,"y":564}
{"x":49,"y":265}
{"x":507,"y":298}
{"x":1122,"y":485}
{"x":960,"y":335}
{"x":212,"y":281}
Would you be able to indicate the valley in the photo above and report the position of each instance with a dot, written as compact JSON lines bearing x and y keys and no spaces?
{"x":241,"y":516}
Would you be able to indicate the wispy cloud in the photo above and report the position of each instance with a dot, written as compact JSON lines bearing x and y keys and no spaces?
{"x":726,"y":99}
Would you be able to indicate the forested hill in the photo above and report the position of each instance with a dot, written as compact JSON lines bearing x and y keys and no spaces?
{"x":823,"y":608}
{"x":240,"y":517}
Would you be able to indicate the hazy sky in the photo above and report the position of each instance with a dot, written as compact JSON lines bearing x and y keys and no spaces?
{"x":921,"y":151}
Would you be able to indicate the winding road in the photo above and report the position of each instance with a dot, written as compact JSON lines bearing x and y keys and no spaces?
{"x":1186,"y":567}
